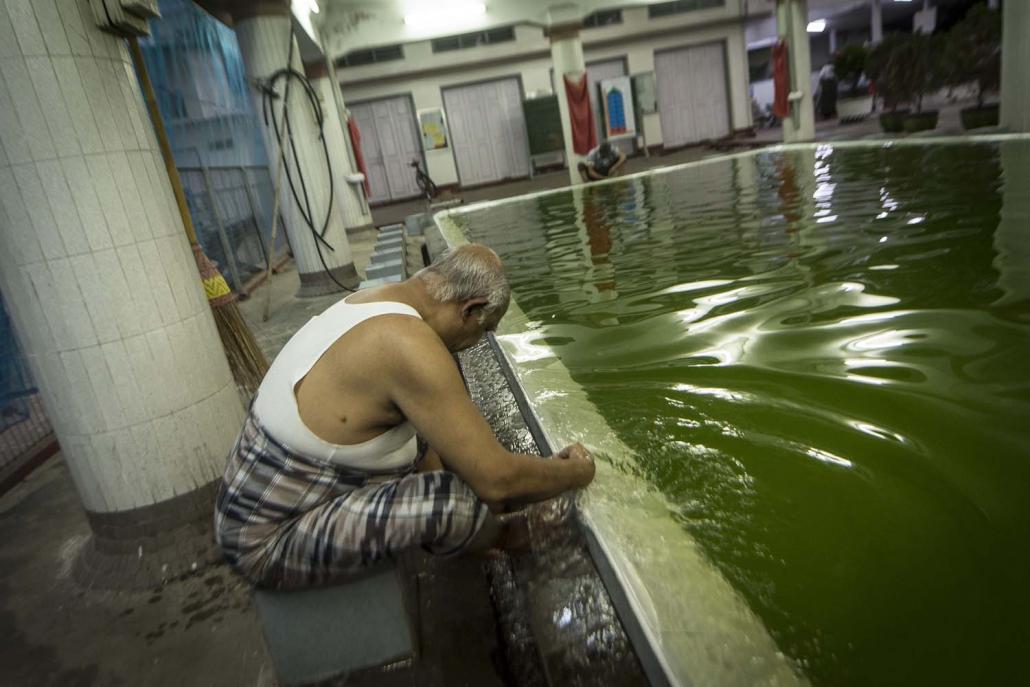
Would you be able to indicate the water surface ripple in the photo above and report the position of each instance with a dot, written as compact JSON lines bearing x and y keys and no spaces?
{"x":822,"y":358}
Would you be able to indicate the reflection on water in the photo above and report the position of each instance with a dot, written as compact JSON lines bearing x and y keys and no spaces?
{"x":822,"y":357}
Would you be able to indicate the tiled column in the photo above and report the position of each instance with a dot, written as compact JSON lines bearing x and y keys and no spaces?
{"x":101,"y":283}
{"x":351,"y":197}
{"x":1015,"y":67}
{"x":567,"y":57}
{"x":792,"y":26}
{"x":265,"y":39}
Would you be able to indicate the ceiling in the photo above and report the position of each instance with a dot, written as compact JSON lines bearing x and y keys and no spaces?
{"x":345,"y":25}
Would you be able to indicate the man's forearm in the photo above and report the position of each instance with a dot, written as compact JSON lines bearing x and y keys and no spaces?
{"x":533,"y":478}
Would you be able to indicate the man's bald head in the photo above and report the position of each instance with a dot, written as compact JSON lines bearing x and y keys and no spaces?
{"x":466,"y":273}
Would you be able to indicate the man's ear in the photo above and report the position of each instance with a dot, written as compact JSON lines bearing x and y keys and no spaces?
{"x":473,"y":307}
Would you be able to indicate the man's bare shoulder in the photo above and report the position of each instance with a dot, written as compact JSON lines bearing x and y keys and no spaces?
{"x":408,"y":352}
{"x":401,"y":336}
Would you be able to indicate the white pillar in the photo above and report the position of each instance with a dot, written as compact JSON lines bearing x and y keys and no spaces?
{"x":875,"y":22}
{"x":1015,"y":72}
{"x":567,"y":58}
{"x":353,"y":205}
{"x":101,"y":282}
{"x":833,"y":41}
{"x":264,"y":41}
{"x":1012,"y":250}
{"x":792,"y":26}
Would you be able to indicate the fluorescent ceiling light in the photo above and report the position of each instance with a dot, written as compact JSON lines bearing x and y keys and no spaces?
{"x":444,"y":14}
{"x":817,"y":26}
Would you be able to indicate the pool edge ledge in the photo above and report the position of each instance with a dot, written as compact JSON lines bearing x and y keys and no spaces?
{"x":722,"y":630}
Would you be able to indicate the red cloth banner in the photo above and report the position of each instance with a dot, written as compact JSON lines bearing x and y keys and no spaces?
{"x":781,"y":80}
{"x":355,"y":141}
{"x":584,"y":133}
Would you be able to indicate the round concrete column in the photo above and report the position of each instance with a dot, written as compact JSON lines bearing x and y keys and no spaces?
{"x":792,"y":26}
{"x":354,"y":207}
{"x":1015,"y":67}
{"x":265,"y":45}
{"x":100,"y":280}
{"x":567,"y":57}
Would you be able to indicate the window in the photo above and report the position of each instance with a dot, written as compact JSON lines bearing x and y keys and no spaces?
{"x":602,"y":18}
{"x":221,"y":144}
{"x":471,"y":40}
{"x":358,"y":58}
{"x":759,"y":63}
{"x":665,"y":9}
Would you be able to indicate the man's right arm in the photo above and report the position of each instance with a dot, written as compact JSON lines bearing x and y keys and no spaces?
{"x":426,"y":386}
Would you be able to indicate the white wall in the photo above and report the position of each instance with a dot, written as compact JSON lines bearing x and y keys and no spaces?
{"x":763,"y":92}
{"x":423,"y":74}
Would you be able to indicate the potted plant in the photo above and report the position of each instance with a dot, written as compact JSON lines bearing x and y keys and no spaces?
{"x":849,"y":64}
{"x":974,"y":56}
{"x":922,"y":56}
{"x":886,"y":72}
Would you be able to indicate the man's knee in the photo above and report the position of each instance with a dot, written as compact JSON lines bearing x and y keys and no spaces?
{"x":455,"y":514}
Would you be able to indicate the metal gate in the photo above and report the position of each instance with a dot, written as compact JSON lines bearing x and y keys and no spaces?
{"x":25,"y":431}
{"x":230,"y":207}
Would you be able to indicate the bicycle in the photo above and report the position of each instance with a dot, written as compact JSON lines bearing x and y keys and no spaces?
{"x":426,"y":187}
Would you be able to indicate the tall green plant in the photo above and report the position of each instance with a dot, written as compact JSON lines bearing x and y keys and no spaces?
{"x":886,"y":70}
{"x":906,"y":67}
{"x":974,"y":51}
{"x":849,"y":63}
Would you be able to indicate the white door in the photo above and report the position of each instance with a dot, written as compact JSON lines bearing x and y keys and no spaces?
{"x":488,"y":131}
{"x":692,"y":101}
{"x":389,"y":143}
{"x":596,"y":73}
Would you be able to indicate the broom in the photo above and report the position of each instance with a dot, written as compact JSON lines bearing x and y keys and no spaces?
{"x":247,"y":362}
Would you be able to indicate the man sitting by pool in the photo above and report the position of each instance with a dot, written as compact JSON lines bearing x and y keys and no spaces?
{"x":327,"y":476}
{"x":602,"y":162}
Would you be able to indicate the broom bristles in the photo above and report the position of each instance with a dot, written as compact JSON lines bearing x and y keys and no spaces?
{"x":247,"y":362}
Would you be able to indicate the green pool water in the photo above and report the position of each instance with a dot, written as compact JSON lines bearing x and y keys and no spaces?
{"x":821,"y":357}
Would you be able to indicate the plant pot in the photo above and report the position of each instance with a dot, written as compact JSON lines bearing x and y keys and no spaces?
{"x":976,"y":117}
{"x":893,"y":122}
{"x":920,"y":121}
{"x":854,"y":109}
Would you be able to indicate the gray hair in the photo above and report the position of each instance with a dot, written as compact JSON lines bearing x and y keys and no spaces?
{"x":472,"y":271}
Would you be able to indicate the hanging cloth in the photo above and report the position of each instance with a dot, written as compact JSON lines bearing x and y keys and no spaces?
{"x":781,"y":80}
{"x":355,"y":141}
{"x":584,"y":133}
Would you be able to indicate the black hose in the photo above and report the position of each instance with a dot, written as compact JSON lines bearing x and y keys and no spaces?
{"x":302,"y":198}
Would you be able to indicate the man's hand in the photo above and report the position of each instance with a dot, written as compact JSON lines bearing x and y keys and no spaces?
{"x":579,"y":456}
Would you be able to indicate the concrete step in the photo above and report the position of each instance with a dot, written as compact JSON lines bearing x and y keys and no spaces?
{"x":387,"y":256}
{"x":390,"y":244}
{"x":414,"y":224}
{"x":369,"y":283}
{"x":385,"y":270}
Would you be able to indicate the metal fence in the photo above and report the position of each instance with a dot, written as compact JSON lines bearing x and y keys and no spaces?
{"x":23,"y":423}
{"x":230,"y":207}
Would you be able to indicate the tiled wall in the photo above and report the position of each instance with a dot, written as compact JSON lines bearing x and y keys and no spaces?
{"x":96,"y":268}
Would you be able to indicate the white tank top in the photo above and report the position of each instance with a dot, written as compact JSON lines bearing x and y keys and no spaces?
{"x":276,"y":403}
